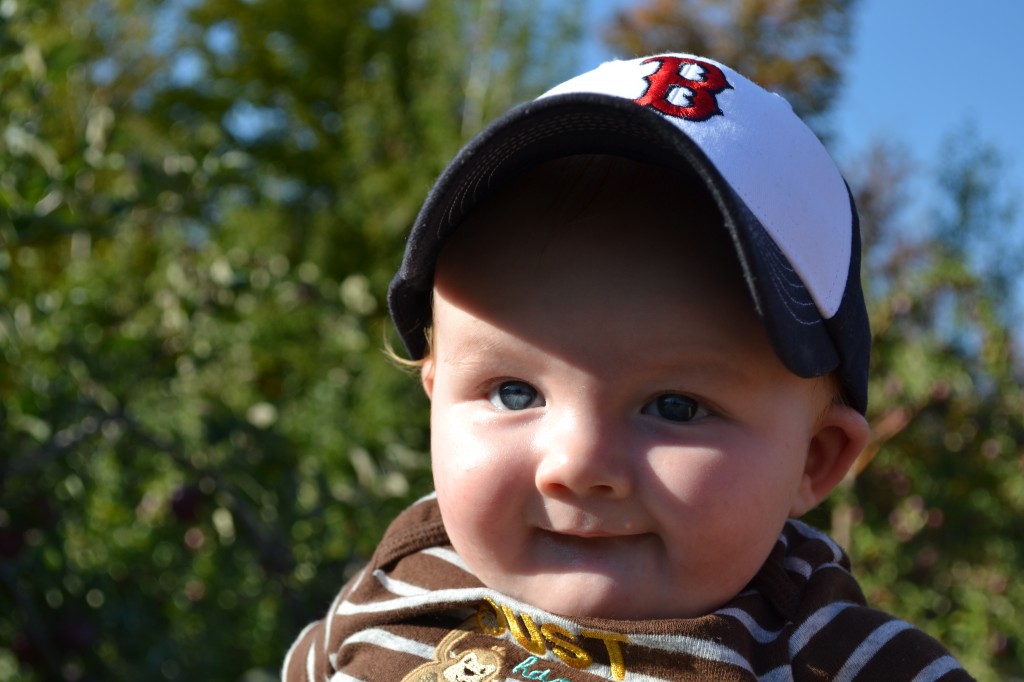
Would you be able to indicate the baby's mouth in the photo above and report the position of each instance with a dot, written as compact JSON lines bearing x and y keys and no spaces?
{"x":587,"y":525}
{"x":592,"y":538}
{"x":586,"y":534}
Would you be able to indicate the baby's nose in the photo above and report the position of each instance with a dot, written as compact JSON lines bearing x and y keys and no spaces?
{"x":580,"y":454}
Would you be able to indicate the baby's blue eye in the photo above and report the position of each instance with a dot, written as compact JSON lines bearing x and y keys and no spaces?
{"x":674,"y":407}
{"x":514,"y":395}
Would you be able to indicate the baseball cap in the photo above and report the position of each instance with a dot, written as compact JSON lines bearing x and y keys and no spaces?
{"x":783,"y":200}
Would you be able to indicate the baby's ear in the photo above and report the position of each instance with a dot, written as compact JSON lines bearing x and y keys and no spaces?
{"x":427,"y":375}
{"x":841,"y":433}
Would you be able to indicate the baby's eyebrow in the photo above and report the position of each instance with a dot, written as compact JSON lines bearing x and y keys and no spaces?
{"x":467,"y":364}
{"x":705,"y":370}
{"x":694,"y":372}
{"x":472,"y":354}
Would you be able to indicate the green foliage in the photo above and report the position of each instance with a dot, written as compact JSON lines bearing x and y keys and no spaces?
{"x":200,"y":207}
{"x":201,"y":204}
{"x":935,"y":517}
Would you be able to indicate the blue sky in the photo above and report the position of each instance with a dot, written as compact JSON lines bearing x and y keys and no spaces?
{"x":923,"y":71}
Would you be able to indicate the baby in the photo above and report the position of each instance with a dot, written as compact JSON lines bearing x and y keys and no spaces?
{"x":636,"y":308}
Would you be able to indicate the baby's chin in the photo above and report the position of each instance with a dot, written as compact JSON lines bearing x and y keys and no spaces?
{"x":591,"y":602}
{"x":582,"y":595}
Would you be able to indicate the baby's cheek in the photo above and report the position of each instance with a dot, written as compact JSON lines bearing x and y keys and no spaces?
{"x":689,"y":475}
{"x":482,"y":466}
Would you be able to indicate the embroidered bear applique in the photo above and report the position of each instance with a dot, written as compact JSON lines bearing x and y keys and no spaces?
{"x":452,"y":665}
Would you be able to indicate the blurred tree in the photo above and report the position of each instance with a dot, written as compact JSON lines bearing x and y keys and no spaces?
{"x":935,"y":522}
{"x":793,"y":47}
{"x":200,"y":206}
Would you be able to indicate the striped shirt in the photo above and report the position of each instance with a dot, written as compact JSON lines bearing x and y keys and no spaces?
{"x":417,"y":614}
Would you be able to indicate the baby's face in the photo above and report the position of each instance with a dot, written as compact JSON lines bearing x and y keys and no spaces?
{"x":612,"y":435}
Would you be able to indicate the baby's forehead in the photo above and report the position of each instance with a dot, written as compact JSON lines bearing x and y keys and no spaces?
{"x":575,"y":186}
{"x":590,"y":207}
{"x":605,"y":236}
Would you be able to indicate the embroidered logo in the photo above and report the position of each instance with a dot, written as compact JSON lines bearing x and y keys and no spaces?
{"x":499,"y":620}
{"x":663,"y":86}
